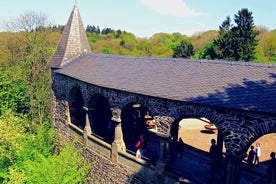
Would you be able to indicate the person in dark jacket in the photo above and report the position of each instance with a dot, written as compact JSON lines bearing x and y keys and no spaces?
{"x":271,"y":170}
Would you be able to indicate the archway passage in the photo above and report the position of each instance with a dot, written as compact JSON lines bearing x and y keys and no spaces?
{"x":100,"y":118}
{"x":134,"y":116}
{"x":267,"y":145}
{"x":194,"y":133}
{"x":77,"y":114}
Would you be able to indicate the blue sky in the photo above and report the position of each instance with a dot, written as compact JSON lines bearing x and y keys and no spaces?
{"x":146,"y":17}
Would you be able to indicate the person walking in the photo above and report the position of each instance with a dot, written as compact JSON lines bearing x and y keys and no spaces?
{"x":180,"y":147}
{"x":140,"y":145}
{"x":258,"y":154}
{"x":214,"y":158}
{"x":271,"y":170}
{"x":251,"y":157}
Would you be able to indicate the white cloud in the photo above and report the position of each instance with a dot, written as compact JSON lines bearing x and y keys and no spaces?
{"x":171,"y":7}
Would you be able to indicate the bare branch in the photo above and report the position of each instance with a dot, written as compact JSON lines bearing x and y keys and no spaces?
{"x":28,"y":22}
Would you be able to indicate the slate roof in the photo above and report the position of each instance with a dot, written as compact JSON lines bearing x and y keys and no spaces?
{"x":238,"y":85}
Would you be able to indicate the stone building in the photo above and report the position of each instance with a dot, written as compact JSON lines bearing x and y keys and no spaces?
{"x":106,"y":99}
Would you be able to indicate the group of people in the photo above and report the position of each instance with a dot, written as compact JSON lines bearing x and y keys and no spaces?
{"x":253,"y":159}
{"x":176,"y":147}
{"x":254,"y":155}
{"x":216,"y":157}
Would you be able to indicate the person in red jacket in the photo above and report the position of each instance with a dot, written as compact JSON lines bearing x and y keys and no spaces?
{"x":140,"y":145}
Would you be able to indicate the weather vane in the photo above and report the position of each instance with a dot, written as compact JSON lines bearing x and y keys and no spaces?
{"x":75,"y":2}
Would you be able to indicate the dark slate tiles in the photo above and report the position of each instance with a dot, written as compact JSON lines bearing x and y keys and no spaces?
{"x":239,"y":85}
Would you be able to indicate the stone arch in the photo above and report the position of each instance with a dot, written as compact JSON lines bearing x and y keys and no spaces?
{"x":100,"y":114}
{"x":195,"y":111}
{"x":134,"y":99}
{"x":133,"y":112}
{"x":250,"y":129}
{"x":127,"y":100}
{"x":133,"y":122}
{"x":77,"y":114}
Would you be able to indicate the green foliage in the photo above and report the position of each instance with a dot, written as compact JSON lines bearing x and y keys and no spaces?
{"x":270,"y":47}
{"x":11,"y":131}
{"x":27,"y":143}
{"x":206,"y":52}
{"x":27,"y":90}
{"x":65,"y":167}
{"x":184,"y":50}
{"x":105,"y":50}
{"x":93,"y":29}
{"x":12,"y":91}
{"x":203,"y":39}
{"x":30,"y":157}
{"x":237,"y":42}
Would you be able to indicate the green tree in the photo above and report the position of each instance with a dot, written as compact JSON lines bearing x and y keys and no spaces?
{"x":33,"y":156}
{"x":207,"y":52}
{"x":270,"y":46}
{"x":223,"y":45}
{"x":184,"y":50}
{"x":12,"y":90}
{"x":237,"y":42}
{"x":12,"y":132}
{"x":34,"y":45}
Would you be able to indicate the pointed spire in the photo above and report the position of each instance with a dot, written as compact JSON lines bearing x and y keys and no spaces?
{"x":73,"y":42}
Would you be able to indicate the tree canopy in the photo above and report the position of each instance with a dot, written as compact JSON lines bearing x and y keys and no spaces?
{"x":27,"y":142}
{"x":237,"y":42}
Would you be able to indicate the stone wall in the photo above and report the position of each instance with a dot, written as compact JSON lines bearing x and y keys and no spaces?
{"x":238,"y":128}
{"x":103,"y":170}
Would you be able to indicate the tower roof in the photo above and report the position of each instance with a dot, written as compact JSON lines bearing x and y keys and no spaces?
{"x":73,"y":42}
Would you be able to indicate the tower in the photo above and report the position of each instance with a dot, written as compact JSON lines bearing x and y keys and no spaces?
{"x":73,"y":42}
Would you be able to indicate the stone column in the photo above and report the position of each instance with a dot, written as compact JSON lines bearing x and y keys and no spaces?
{"x":67,"y":109}
{"x":164,"y":132}
{"x":87,"y":129}
{"x":118,"y":144}
{"x":220,"y":148}
{"x":220,"y":141}
{"x":233,"y":169}
{"x":163,"y":159}
{"x":87,"y":122}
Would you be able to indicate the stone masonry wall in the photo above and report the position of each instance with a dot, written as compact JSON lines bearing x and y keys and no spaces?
{"x":238,"y":128}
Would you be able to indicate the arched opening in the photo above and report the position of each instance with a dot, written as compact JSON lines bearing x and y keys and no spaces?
{"x":266,"y":144}
{"x":196,"y":137}
{"x":196,"y":132}
{"x":133,"y":123}
{"x":100,"y":118}
{"x":77,"y":114}
{"x":137,"y":120}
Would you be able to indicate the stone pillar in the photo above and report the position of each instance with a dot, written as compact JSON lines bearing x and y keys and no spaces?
{"x":164,"y":132}
{"x":163,"y":159}
{"x":87,"y":129}
{"x":164,"y":149}
{"x":67,"y":113}
{"x":87,"y":122}
{"x":118,"y":144}
{"x":220,"y":149}
{"x":233,"y":169}
{"x":220,"y":141}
